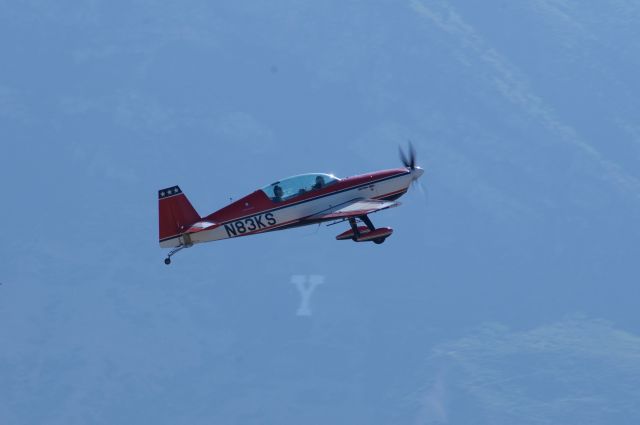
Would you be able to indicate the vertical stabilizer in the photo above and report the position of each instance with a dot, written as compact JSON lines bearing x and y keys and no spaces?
{"x":175,"y":213}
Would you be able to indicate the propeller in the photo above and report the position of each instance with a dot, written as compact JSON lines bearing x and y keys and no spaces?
{"x":409,"y":162}
{"x":422,"y":189}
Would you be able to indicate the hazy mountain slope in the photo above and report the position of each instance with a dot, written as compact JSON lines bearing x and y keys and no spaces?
{"x":525,"y":117}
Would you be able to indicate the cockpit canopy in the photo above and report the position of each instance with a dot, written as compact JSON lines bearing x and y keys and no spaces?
{"x":291,"y":187}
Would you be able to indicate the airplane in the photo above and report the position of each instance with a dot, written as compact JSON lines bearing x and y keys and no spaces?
{"x":292,"y":202}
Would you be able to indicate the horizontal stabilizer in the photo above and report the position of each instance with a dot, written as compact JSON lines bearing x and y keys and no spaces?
{"x":200,"y":226}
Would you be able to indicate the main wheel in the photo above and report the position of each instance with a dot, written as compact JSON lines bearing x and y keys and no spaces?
{"x":167,"y":261}
{"x":378,"y":241}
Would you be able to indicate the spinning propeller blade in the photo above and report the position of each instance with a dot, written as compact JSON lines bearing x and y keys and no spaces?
{"x":423,"y":191}
{"x":409,"y":162}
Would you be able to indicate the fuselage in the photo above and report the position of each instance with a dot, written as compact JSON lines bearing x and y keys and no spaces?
{"x":258,"y":212}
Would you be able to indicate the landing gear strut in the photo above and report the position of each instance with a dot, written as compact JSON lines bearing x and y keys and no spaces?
{"x":377,"y":236}
{"x":356,"y":232}
{"x":366,"y":220}
{"x":185,"y":242}
{"x":354,"y":227}
{"x":167,"y":260}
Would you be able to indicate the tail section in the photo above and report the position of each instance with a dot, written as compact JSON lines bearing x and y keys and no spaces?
{"x":176,"y":214}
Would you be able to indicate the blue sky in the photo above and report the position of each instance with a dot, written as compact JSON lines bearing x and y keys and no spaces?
{"x":510,"y":296}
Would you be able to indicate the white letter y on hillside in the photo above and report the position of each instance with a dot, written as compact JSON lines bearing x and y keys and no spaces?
{"x":306,"y":285}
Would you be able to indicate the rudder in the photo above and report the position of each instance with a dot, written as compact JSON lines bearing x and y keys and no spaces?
{"x":175,"y":214}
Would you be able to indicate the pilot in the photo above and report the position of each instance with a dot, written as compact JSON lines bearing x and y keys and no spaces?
{"x":277,"y":191}
{"x":319,"y":183}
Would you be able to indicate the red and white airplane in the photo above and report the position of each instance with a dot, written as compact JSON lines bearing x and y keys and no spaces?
{"x":295,"y":201}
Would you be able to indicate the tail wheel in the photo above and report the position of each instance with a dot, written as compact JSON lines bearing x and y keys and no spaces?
{"x":378,"y":241}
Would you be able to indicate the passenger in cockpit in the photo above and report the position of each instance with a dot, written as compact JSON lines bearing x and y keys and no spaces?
{"x":277,"y":191}
{"x":319,"y":183}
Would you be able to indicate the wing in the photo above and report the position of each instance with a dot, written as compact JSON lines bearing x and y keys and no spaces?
{"x":353,"y":208}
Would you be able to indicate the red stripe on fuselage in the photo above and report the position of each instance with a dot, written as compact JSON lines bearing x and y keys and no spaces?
{"x":386,"y":195}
